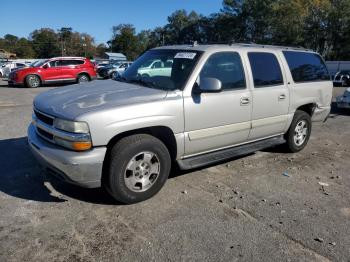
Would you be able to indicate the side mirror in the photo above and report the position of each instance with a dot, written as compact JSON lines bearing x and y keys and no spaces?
{"x":45,"y":66}
{"x":210,"y":85}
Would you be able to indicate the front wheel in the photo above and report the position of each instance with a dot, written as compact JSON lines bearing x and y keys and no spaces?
{"x":299,"y":131}
{"x":139,"y":166}
{"x":32,"y":81}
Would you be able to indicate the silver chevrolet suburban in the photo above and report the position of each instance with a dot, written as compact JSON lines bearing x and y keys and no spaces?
{"x":197,"y":105}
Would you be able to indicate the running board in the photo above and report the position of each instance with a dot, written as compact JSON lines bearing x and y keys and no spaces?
{"x":217,"y":156}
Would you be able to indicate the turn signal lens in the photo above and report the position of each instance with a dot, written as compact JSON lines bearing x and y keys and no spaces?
{"x":81,"y":146}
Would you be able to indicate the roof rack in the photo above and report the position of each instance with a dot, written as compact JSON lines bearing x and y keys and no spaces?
{"x":269,"y":46}
{"x":252,"y":44}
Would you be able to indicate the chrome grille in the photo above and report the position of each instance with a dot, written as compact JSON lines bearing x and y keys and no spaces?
{"x":44,"y":118}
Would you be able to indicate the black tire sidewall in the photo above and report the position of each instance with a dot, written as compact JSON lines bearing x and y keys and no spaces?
{"x":298,"y":116}
{"x":121,"y":155}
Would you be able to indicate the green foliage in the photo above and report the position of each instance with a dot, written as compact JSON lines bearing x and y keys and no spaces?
{"x":125,"y":41}
{"x":45,"y":43}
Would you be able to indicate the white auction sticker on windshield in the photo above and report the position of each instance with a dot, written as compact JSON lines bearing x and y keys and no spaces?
{"x":185,"y":55}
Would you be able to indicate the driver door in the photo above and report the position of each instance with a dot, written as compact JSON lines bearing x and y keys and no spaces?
{"x":50,"y":71}
{"x":217,"y":120}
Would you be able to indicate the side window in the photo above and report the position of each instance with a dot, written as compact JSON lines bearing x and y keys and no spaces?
{"x":74,"y":62}
{"x":62,"y":63}
{"x":168,"y":64}
{"x":157,"y":64}
{"x":306,"y":67}
{"x":266,"y":69}
{"x":53,"y":63}
{"x":226,"y":67}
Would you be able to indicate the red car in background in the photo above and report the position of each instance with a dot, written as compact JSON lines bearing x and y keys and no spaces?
{"x":54,"y":70}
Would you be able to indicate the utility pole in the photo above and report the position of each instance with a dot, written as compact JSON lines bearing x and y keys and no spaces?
{"x":84,"y":44}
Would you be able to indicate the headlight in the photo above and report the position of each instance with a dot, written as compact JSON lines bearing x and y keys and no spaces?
{"x":79,"y":140}
{"x":71,"y":126}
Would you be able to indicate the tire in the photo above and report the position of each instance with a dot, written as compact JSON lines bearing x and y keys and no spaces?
{"x":299,"y":132}
{"x":83,"y":78}
{"x":113,"y":75}
{"x":0,"y":75}
{"x":133,"y":160}
{"x":33,"y":81}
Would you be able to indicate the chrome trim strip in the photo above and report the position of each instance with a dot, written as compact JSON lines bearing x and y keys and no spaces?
{"x":216,"y":131}
{"x":230,"y":146}
{"x":269,"y":121}
{"x":34,"y":109}
{"x":60,"y":79}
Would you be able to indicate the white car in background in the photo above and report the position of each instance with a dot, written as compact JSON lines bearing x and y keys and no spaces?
{"x":156,"y":68}
{"x":7,"y":68}
{"x":344,"y":100}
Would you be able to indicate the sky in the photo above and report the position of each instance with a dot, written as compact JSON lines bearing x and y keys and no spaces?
{"x":95,"y":17}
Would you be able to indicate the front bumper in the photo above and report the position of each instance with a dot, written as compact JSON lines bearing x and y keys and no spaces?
{"x":14,"y":83}
{"x":321,"y":113}
{"x":80,"y":168}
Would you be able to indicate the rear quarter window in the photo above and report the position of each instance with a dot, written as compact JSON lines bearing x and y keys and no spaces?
{"x":306,"y":67}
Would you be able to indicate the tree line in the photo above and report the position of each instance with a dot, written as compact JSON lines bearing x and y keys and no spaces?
{"x":320,"y":25}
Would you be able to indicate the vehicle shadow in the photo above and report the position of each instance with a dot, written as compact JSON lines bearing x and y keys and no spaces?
{"x":22,"y":177}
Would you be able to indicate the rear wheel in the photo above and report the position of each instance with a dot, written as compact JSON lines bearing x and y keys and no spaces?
{"x":33,"y":81}
{"x":139,"y":167}
{"x":299,"y":131}
{"x":83,"y":78}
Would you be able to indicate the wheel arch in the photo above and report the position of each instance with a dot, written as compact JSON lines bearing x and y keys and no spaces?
{"x":163,"y":133}
{"x":308,"y":108}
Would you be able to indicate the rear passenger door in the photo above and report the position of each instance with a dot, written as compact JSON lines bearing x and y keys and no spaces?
{"x":270,"y":95}
{"x":69,"y":68}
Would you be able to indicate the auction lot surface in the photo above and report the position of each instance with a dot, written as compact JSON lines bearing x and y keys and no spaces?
{"x":241,"y":210}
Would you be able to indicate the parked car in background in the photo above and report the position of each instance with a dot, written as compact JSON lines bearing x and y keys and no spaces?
{"x":342,"y":78}
{"x":343,"y":101}
{"x":213,"y":103}
{"x":7,"y":55}
{"x":7,"y":68}
{"x":101,"y":70}
{"x":114,"y":71}
{"x":157,"y":67}
{"x":54,"y":70}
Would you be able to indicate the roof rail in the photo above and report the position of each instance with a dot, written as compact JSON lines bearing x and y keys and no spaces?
{"x":252,"y":44}
{"x":271,"y":46}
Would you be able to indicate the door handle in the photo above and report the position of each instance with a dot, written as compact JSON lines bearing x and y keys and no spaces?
{"x":282,"y":97}
{"x":245,"y":101}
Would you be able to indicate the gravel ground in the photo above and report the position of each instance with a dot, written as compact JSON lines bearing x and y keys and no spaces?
{"x":240,"y":210}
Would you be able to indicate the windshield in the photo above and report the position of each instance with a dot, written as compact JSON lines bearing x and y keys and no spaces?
{"x":38,"y":63}
{"x":162,"y":69}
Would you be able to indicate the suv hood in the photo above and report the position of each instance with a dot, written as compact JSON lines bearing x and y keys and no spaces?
{"x":72,"y":101}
